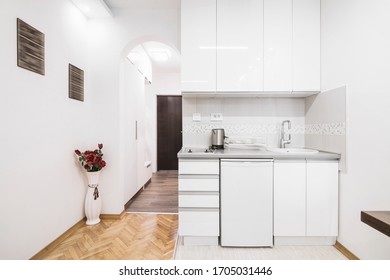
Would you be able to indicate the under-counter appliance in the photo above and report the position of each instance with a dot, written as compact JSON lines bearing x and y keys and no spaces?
{"x":246,"y":202}
{"x":217,"y":138}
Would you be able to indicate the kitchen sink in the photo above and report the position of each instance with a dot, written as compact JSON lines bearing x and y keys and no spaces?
{"x":292,"y":150}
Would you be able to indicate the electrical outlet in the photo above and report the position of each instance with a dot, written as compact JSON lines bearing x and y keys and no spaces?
{"x":216,"y":117}
{"x":196,"y":117}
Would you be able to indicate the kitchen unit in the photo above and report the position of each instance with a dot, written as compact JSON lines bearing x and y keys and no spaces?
{"x":263,"y":47}
{"x":305,"y":201}
{"x":247,"y":199}
{"x":266,"y":197}
{"x":199,"y":200}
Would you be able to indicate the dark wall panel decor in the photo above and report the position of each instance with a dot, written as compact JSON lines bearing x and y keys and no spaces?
{"x":31,"y":48}
{"x":76,"y":83}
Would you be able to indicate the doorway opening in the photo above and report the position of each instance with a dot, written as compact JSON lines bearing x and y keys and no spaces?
{"x":153,"y":110}
{"x":169,"y":127}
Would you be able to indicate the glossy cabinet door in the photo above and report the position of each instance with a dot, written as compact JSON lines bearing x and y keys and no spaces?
{"x":239,"y":45}
{"x":278,"y":45}
{"x":305,"y":198}
{"x":290,"y":198}
{"x":198,"y":45}
{"x":322,"y":198}
{"x":306,"y":45}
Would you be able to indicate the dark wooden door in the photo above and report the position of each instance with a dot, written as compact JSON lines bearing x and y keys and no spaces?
{"x":169,"y":126}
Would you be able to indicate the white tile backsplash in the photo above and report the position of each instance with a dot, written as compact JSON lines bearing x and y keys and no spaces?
{"x":251,"y":117}
{"x":326,"y":123}
{"x":314,"y":120}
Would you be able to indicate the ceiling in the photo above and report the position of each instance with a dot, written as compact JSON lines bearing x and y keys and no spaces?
{"x":173,"y":63}
{"x":169,"y":66}
{"x":148,"y":4}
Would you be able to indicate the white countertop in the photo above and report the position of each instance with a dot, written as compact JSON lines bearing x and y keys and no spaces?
{"x":257,"y":153}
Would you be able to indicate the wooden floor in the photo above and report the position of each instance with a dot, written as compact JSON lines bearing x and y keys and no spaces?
{"x":160,"y":196}
{"x":134,"y":237}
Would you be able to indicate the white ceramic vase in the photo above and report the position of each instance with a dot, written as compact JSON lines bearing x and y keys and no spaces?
{"x":93,"y":202}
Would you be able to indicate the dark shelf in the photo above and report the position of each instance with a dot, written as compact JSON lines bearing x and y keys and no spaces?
{"x":380,"y":220}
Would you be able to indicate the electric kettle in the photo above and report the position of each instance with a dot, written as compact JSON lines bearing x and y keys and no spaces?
{"x":217,"y":138}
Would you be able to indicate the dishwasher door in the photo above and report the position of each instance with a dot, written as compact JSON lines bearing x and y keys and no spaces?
{"x":246,"y":202}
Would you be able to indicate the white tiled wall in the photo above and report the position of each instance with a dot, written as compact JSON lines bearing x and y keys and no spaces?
{"x":325,"y":120}
{"x":253,"y":117}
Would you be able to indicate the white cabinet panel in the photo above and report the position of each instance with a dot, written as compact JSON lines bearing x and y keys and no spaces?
{"x":199,"y":200}
{"x":187,"y":166}
{"x":290,"y":198}
{"x":278,"y":45}
{"x":199,"y":222}
{"x":198,"y":45}
{"x":322,"y":198}
{"x":201,"y":184}
{"x":306,"y":45}
{"x":240,"y":45}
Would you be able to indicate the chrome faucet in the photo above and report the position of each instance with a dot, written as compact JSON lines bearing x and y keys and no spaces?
{"x":283,"y":141}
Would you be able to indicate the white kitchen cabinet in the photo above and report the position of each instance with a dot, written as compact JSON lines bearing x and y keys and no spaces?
{"x":198,"y":45}
{"x":278,"y":45}
{"x":305,"y":199}
{"x":199,"y":223}
{"x":199,"y":166}
{"x":200,"y":184}
{"x":290,"y":198}
{"x":199,"y":201}
{"x":239,"y":45}
{"x":306,"y":45}
{"x":322,"y":198}
{"x":250,"y":47}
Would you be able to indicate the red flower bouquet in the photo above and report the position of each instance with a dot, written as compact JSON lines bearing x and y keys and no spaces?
{"x":92,"y":160}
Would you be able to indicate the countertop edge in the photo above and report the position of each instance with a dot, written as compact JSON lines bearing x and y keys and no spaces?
{"x":379,"y":220}
{"x":321,"y":155}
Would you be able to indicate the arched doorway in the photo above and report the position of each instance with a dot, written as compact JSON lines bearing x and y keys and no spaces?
{"x":150,"y":71}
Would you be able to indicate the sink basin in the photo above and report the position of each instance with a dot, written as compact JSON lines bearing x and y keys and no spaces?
{"x":293,"y":150}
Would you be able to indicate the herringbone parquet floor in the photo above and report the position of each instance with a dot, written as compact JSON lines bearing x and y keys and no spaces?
{"x":134,"y":237}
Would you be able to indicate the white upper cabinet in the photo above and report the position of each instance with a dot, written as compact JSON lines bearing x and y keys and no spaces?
{"x":239,"y":45}
{"x":198,"y":45}
{"x":250,"y":46}
{"x":278,"y":45}
{"x":306,"y":45}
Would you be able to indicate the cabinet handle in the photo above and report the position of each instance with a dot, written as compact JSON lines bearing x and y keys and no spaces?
{"x":136,"y":130}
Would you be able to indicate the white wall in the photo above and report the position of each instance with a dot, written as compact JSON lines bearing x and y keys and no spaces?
{"x":355,"y":52}
{"x":166,"y":83}
{"x":42,"y":188}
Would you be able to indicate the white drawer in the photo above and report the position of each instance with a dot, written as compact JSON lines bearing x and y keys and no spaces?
{"x":190,"y":166}
{"x":199,"y":200}
{"x":199,"y":222}
{"x":199,"y":184}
